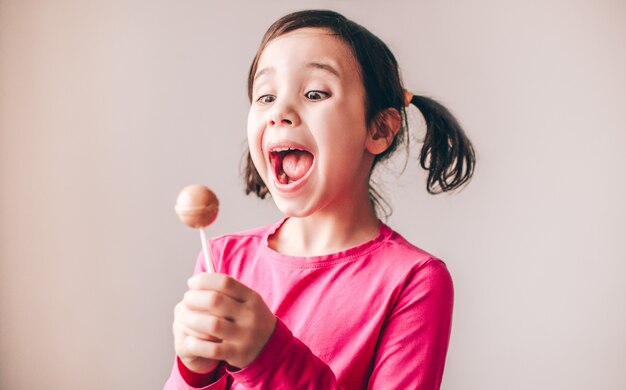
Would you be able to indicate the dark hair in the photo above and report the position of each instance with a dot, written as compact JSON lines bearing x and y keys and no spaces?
{"x":447,"y":153}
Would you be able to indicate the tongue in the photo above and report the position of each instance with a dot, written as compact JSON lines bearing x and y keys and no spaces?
{"x":297,"y":163}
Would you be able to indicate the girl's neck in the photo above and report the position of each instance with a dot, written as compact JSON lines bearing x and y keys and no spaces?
{"x":327,"y":232}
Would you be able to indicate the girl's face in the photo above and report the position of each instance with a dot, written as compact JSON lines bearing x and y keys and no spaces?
{"x":307,"y":131}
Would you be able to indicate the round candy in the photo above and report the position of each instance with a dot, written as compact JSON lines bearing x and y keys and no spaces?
{"x":197,"y":206}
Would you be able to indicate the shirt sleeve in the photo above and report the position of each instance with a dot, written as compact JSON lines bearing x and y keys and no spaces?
{"x":286,"y":363}
{"x":181,"y":378}
{"x":414,"y":341}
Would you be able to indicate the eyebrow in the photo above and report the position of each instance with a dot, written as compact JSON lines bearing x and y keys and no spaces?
{"x":311,"y":65}
{"x":327,"y":67}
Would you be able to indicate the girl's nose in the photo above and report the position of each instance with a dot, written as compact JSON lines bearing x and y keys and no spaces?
{"x":283,"y":115}
{"x":284,"y":121}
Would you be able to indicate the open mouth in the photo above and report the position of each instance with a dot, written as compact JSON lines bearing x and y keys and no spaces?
{"x":290,"y":164}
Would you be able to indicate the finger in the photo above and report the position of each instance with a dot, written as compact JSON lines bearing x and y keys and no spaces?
{"x":213,"y":302}
{"x":220,"y":283}
{"x":203,"y":325}
{"x":179,"y":328}
{"x":185,"y":332}
{"x":208,"y":349}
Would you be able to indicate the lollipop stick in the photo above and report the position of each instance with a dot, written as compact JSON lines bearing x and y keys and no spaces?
{"x":205,"y":249}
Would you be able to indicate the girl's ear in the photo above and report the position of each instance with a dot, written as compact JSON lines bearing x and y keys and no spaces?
{"x":384,"y":129}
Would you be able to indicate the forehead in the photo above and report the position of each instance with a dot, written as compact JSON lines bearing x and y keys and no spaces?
{"x":308,"y":44}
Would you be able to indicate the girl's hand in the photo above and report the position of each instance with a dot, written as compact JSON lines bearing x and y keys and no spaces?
{"x":184,"y":341}
{"x":220,"y":318}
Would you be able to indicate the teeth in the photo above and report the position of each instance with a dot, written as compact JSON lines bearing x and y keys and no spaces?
{"x":283,"y":149}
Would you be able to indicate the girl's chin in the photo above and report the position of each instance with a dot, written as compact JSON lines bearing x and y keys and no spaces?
{"x":291,"y":207}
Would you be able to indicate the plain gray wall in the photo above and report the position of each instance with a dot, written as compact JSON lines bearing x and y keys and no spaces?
{"x":109,"y":108}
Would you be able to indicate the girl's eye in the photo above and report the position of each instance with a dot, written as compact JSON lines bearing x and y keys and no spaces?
{"x":316,"y":95}
{"x":266,"y":99}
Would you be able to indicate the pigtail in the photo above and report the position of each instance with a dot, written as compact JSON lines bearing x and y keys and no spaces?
{"x":447,"y":154}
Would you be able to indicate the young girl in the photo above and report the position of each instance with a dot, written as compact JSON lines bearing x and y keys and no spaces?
{"x":329,"y":297}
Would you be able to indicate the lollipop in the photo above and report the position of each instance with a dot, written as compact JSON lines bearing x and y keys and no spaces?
{"x":197,"y":207}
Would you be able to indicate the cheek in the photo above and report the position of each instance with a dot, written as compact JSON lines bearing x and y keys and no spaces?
{"x":344,"y":130}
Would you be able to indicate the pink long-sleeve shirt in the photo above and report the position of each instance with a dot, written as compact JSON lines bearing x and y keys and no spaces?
{"x":374,"y":316}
